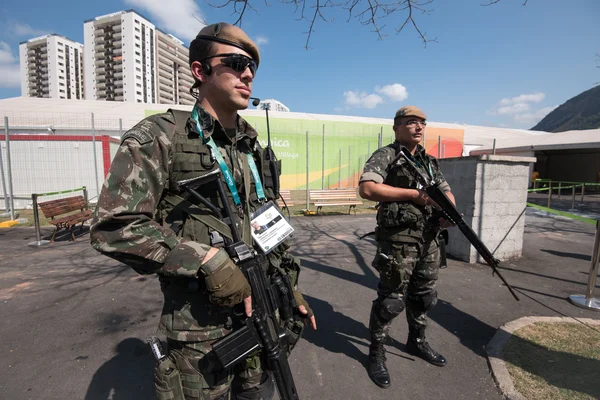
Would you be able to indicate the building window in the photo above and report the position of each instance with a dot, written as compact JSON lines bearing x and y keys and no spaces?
{"x":136,"y":21}
{"x":137,"y":29}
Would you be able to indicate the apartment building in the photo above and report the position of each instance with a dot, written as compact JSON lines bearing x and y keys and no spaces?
{"x":273,"y":105}
{"x":51,"y":67}
{"x":173,"y":75}
{"x":119,"y":58}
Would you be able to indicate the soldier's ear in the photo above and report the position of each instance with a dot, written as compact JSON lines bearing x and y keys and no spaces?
{"x":197,"y":71}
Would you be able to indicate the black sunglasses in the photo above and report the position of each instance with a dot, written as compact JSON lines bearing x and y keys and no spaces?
{"x":237,"y":62}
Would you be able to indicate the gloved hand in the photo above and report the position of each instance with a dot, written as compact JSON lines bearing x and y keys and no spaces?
{"x":305,"y":309}
{"x":225,"y":282}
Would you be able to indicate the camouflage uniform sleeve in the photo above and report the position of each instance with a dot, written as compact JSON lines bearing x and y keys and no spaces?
{"x":123,"y":226}
{"x":376,"y":166}
{"x":444,"y":186}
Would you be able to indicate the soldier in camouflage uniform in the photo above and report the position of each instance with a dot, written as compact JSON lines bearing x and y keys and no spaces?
{"x":145,"y":221}
{"x":408,"y":255}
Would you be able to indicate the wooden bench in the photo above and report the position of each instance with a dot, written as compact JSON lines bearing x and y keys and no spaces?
{"x":287,"y":196}
{"x":335,"y":197}
{"x":66,"y":213}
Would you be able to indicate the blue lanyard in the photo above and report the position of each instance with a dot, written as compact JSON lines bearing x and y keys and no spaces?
{"x":223,"y":165}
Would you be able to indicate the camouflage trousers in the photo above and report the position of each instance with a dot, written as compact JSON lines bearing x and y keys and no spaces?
{"x":408,"y":274}
{"x":203,"y":379}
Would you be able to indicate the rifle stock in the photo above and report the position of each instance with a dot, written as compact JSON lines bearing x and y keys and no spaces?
{"x":453,"y":215}
{"x":261,"y":330}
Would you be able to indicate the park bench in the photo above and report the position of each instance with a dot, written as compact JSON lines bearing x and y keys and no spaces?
{"x":287,"y":196}
{"x":66,"y":213}
{"x":334,"y":197}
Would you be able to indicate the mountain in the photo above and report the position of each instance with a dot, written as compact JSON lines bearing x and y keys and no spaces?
{"x":579,"y":112}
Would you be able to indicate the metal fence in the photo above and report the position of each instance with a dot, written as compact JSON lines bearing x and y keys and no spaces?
{"x":47,"y":153}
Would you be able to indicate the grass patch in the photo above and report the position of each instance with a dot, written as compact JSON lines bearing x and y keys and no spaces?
{"x":555,"y":361}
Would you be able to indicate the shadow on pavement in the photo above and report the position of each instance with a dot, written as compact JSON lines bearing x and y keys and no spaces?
{"x":128,"y":375}
{"x":568,"y":255}
{"x":342,"y":334}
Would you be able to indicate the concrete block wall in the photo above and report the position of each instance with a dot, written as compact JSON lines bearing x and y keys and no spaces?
{"x":491,"y":192}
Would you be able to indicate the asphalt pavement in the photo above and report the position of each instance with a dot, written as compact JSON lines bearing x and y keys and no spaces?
{"x":74,"y":322}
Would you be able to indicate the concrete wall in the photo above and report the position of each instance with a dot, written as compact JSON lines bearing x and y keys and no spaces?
{"x":491,"y":192}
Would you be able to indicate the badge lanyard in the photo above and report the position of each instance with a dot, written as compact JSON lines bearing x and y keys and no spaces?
{"x":223,"y":165}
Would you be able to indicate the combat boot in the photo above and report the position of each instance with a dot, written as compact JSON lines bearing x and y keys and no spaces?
{"x":377,"y":369}
{"x":418,"y":346}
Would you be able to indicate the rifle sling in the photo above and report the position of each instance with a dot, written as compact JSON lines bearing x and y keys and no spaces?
{"x":197,"y":213}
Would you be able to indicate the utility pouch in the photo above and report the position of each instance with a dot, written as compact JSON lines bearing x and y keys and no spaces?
{"x":167,"y":381}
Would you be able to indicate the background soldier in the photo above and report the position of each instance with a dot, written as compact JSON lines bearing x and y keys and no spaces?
{"x":145,"y":221}
{"x":408,"y":255}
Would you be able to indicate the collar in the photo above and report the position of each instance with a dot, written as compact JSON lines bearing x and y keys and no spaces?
{"x":212,"y":127}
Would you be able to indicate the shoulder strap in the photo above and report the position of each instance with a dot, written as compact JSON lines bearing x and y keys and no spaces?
{"x":198,"y":214}
{"x":181,"y":118}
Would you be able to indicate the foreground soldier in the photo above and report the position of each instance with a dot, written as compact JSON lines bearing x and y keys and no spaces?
{"x":145,"y":221}
{"x":408,"y":254}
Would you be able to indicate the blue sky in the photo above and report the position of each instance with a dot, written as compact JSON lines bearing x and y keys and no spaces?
{"x":504,"y":65}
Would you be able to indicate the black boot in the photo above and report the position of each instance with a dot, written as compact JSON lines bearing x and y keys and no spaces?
{"x":377,"y":369}
{"x":418,"y":346}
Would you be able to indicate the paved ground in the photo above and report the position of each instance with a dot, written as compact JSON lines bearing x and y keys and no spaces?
{"x":74,"y":322}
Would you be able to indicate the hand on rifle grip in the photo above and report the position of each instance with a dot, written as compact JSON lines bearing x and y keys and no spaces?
{"x":423,"y":199}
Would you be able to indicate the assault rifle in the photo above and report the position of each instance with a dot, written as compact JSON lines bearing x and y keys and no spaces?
{"x":261,"y":330}
{"x":431,"y":186}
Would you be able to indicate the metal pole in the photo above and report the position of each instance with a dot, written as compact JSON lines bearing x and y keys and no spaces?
{"x":439,"y":147}
{"x":95,"y":157}
{"x":36,"y":220}
{"x":340,"y":180}
{"x":588,"y":301}
{"x":573,"y":202}
{"x":582,"y":191}
{"x":120,"y":127}
{"x":349,"y":168}
{"x":380,"y":138}
{"x":549,"y":194}
{"x":559,"y":183}
{"x":307,"y":203}
{"x":2,"y":172}
{"x":494,"y":148}
{"x":323,"y":159}
{"x":9,"y":171}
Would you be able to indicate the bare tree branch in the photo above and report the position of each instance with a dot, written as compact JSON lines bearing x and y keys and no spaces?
{"x":371,"y":13}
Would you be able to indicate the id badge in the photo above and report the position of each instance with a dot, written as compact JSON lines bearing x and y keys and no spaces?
{"x":269,"y":227}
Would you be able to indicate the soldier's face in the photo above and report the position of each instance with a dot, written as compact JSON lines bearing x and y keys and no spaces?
{"x":225,"y":88}
{"x":410,"y":130}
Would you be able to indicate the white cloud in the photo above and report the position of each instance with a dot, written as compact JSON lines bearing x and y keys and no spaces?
{"x":395,"y":91}
{"x":19,"y":29}
{"x":6,"y":56}
{"x":362,"y":99}
{"x":523,"y":98}
{"x":10,"y":76}
{"x":178,"y":17}
{"x":513,"y":109}
{"x":535,"y":117}
{"x":261,"y":39}
{"x":516,"y":105}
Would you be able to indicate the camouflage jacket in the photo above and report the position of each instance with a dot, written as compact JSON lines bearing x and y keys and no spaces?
{"x":402,"y":221}
{"x":126,"y":224}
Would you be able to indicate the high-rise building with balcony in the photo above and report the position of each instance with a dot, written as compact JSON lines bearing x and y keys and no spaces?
{"x":273,"y":105}
{"x":173,"y":76}
{"x":119,"y":58}
{"x":51,"y":66}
